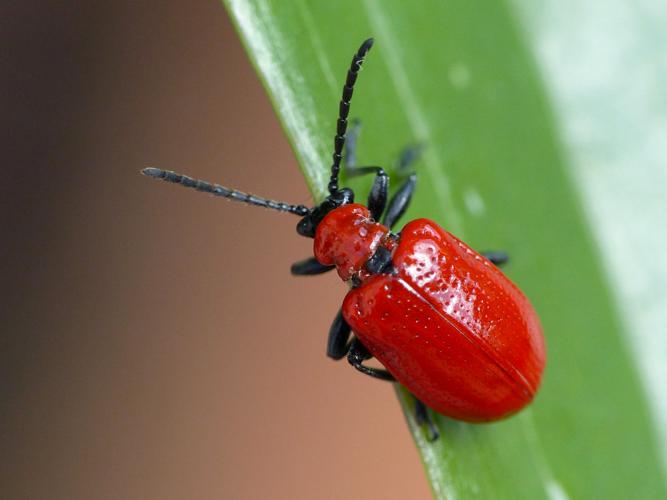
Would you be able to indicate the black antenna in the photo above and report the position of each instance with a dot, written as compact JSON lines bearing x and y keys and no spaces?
{"x":341,"y":125}
{"x":218,"y":190}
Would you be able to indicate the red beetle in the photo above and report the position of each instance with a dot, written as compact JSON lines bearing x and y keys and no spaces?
{"x":442,"y":318}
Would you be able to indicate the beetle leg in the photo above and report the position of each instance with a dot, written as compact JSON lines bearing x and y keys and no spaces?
{"x":358,"y":354}
{"x":339,"y":334}
{"x":377,"y":198}
{"x":309,"y":267}
{"x":400,"y":201}
{"x":380,"y":262}
{"x":498,"y":257}
{"x":408,"y":157}
{"x":351,"y":144}
{"x":423,"y":417}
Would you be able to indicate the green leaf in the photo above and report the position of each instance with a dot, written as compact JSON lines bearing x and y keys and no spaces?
{"x":465,"y":79}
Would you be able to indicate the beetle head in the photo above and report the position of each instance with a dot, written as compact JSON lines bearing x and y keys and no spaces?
{"x":308,"y":224}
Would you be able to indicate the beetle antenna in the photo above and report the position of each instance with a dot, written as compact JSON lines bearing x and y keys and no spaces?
{"x":218,"y":190}
{"x":341,"y":125}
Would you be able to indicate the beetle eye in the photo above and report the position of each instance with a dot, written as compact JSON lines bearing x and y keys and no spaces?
{"x":306,"y":227}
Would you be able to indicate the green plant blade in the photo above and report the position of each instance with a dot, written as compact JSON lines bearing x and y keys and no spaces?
{"x":610,"y":101}
{"x":460,"y":78}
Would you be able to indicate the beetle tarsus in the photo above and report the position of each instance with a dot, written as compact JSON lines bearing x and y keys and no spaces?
{"x":309,"y":267}
{"x":497,"y":257}
{"x":399,"y":202}
{"x":358,"y":354}
{"x":423,"y":417}
{"x":377,"y":198}
{"x":407,"y":157}
{"x":339,"y":336}
{"x":351,"y":145}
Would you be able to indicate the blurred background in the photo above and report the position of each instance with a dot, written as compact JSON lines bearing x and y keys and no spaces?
{"x":153,"y":342}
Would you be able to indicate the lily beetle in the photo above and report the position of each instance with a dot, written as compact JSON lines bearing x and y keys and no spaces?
{"x":441,"y":318}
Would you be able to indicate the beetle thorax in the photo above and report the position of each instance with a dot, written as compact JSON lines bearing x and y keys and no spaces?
{"x":347,"y":237}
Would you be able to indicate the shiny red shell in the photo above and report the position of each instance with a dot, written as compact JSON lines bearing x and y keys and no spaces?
{"x":448,"y":325}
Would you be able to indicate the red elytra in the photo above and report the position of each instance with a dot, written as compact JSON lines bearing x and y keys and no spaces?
{"x":448,"y":324}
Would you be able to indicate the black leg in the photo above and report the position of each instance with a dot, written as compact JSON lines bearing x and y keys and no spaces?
{"x":423,"y":417}
{"x":380,"y":262}
{"x":358,"y":354}
{"x":351,"y":144}
{"x":377,"y":198}
{"x":498,"y":258}
{"x":407,"y":157}
{"x":399,"y":202}
{"x":339,"y":335}
{"x":401,"y":199}
{"x":309,"y":267}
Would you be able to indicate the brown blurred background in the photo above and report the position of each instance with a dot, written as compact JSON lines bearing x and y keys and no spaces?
{"x":153,"y":342}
